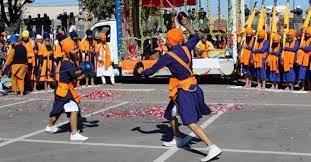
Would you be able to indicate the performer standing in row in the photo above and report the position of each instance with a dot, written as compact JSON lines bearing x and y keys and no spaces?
{"x":273,"y":61}
{"x":303,"y":59}
{"x":260,"y":54}
{"x":184,"y":90}
{"x":246,"y":56}
{"x":288,"y":59}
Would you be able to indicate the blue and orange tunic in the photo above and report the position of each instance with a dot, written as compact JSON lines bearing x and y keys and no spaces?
{"x":189,"y":97}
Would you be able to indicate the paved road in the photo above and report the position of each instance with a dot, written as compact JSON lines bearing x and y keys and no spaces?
{"x":250,"y":125}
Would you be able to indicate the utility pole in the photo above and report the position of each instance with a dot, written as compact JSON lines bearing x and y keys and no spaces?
{"x":219,"y":14}
{"x":242,"y":13}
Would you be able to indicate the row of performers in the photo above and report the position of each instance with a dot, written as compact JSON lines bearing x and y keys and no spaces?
{"x":44,"y":58}
{"x":264,"y":59}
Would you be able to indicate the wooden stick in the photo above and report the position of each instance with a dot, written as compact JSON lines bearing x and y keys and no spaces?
{"x":169,"y":3}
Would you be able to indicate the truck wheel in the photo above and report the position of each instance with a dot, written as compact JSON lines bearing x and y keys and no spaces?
{"x":135,"y":71}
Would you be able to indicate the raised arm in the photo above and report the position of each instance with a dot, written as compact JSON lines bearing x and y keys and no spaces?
{"x":194,"y":37}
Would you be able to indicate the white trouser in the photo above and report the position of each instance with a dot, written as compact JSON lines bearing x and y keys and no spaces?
{"x":174,"y":111}
{"x":71,"y":107}
{"x":111,"y":79}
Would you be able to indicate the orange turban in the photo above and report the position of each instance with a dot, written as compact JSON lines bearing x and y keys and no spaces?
{"x":276,"y":38}
{"x":261,"y":33}
{"x":291,"y":32}
{"x":103,"y":36}
{"x":308,"y":30}
{"x":68,"y":45}
{"x":249,"y":31}
{"x":175,"y":36}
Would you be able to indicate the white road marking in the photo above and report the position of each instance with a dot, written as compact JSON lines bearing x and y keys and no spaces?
{"x":267,"y":90}
{"x":94,"y":144}
{"x":16,"y":103}
{"x":59,"y":124}
{"x":264,"y":104}
{"x":261,"y":152}
{"x":160,"y":147}
{"x":211,"y":103}
{"x":12,"y":98}
{"x":190,"y":136}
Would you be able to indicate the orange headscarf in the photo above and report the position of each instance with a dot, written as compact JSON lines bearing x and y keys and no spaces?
{"x":249,"y":31}
{"x":68,"y":45}
{"x":103,"y":36}
{"x":308,"y":30}
{"x":262,"y":33}
{"x":291,"y":32}
{"x":276,"y":38}
{"x":175,"y":36}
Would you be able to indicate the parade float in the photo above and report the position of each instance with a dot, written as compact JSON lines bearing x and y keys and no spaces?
{"x":127,"y":45}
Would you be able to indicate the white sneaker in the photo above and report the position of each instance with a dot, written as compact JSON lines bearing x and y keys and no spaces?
{"x":51,"y":129}
{"x":176,"y":142}
{"x":78,"y":137}
{"x":213,"y":151}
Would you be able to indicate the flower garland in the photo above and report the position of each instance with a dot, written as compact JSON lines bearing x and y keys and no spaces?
{"x":123,"y":45}
{"x":131,"y":18}
{"x":141,"y":23}
{"x":209,"y":15}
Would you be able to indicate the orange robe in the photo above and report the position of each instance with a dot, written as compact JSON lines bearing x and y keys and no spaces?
{"x":46,"y":67}
{"x":31,"y":59}
{"x":289,"y":57}
{"x":246,"y":53}
{"x":85,"y":47}
{"x":18,"y":71}
{"x":303,"y":58}
{"x":58,"y":56}
{"x":104,"y":54}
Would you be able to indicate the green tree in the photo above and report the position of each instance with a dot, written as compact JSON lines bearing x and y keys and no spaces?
{"x":11,"y":10}
{"x":101,"y":9}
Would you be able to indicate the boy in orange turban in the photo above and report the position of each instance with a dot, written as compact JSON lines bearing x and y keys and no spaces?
{"x":184,"y":92}
{"x":66,"y":98}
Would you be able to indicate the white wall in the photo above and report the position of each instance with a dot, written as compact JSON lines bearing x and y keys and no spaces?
{"x":51,"y":11}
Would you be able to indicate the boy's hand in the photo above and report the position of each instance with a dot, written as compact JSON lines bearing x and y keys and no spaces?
{"x":182,"y":19}
{"x":140,"y":70}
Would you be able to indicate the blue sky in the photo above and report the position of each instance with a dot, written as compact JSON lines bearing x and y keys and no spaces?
{"x":51,"y":2}
{"x":224,"y":3}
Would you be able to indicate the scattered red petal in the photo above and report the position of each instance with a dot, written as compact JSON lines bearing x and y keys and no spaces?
{"x":150,"y":111}
{"x":97,"y":94}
